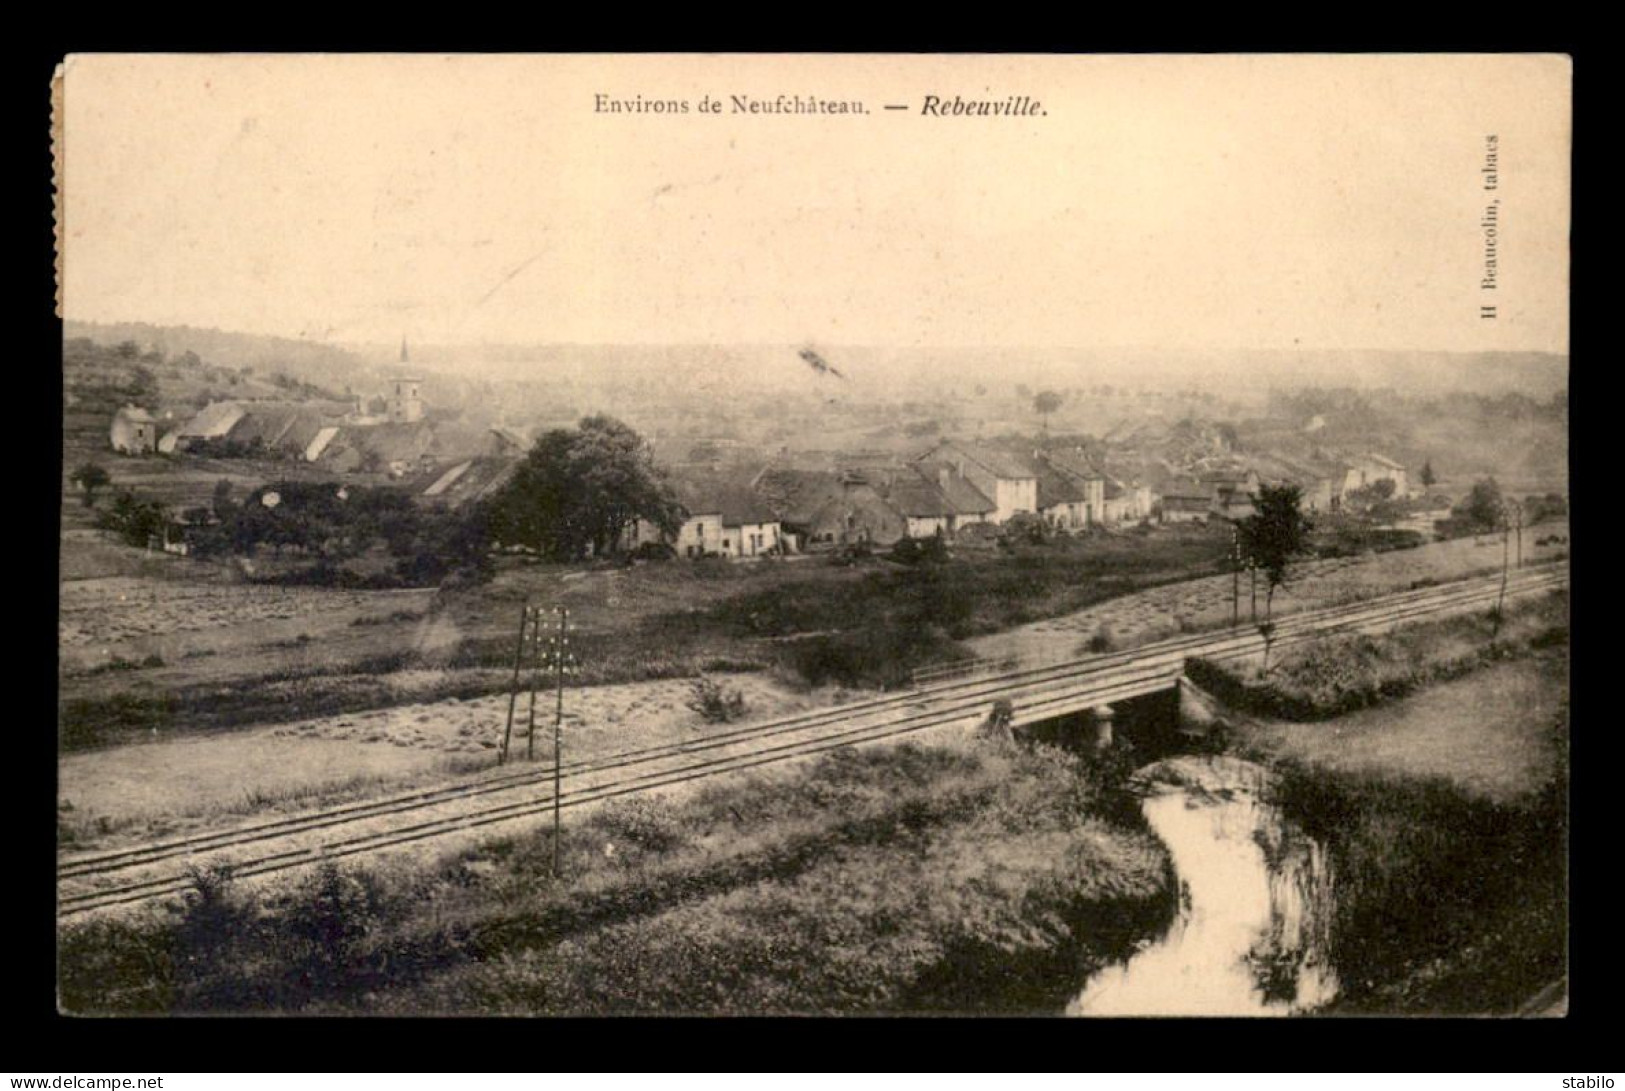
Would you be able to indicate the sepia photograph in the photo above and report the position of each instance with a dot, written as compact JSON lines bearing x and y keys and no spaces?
{"x":1063,"y":535}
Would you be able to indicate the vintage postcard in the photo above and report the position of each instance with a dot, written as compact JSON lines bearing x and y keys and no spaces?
{"x":1077,"y":535}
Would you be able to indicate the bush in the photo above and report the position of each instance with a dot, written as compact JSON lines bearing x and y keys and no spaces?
{"x":650,"y":823}
{"x":913,"y":551}
{"x":715,"y":703}
{"x":654,"y":551}
{"x":329,"y":920}
{"x":1102,"y":642}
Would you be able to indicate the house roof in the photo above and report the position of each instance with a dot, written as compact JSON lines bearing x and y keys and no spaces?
{"x":136,"y":415}
{"x":213,"y":420}
{"x":1057,"y":488}
{"x":793,"y":494}
{"x":913,"y":496}
{"x":1072,"y":462}
{"x":1188,"y":491}
{"x":1003,"y":464}
{"x":963,"y":497}
{"x":445,"y":480}
{"x":729,"y":498}
{"x":470,"y":480}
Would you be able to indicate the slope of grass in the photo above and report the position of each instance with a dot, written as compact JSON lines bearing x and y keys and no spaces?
{"x":904,"y":878}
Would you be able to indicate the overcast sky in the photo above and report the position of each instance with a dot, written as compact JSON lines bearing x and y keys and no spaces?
{"x":1159,"y":201}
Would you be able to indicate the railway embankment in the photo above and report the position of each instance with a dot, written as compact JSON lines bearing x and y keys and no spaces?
{"x":883,"y":879}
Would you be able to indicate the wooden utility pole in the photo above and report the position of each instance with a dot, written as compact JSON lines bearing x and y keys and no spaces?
{"x":1517,"y":525}
{"x":513,"y":689}
{"x":1506,"y":561}
{"x":535,"y":670}
{"x":559,"y":663}
{"x":1235,"y":574}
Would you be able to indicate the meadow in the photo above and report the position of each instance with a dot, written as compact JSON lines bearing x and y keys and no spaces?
{"x":974,"y":875}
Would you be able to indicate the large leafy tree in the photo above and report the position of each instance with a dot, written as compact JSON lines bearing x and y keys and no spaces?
{"x":577,"y":490}
{"x":91,"y":477}
{"x":1484,"y":506}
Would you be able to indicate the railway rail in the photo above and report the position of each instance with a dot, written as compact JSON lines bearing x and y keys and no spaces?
{"x":125,"y":875}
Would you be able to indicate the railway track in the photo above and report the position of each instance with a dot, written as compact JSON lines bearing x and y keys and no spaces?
{"x":1036,"y":693}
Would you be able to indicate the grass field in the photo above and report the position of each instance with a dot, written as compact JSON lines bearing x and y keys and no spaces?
{"x":1343,"y":672}
{"x":175,"y":784}
{"x":972,"y":876}
{"x":1446,"y":815}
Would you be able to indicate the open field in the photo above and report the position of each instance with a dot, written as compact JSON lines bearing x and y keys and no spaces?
{"x":303,"y":652}
{"x":395,"y":823}
{"x":177,"y":785}
{"x":1487,"y":733}
{"x":1205,"y":603}
{"x":1444,"y":814}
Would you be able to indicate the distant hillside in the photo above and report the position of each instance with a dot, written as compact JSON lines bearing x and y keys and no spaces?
{"x":309,"y":361}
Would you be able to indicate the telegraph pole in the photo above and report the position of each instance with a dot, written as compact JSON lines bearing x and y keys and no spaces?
{"x":1517,"y":517}
{"x":1235,"y":575}
{"x":535,"y":670}
{"x":562,"y":663}
{"x":513,"y":689}
{"x":1506,"y":563}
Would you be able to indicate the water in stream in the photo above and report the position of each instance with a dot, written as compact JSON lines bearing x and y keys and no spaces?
{"x":1251,"y":934}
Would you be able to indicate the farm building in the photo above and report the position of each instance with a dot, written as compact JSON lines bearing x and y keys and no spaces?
{"x":1368,"y":469}
{"x":1004,"y":478}
{"x":1062,"y":500}
{"x":1187,"y":502}
{"x":213,"y":421}
{"x":1074,"y":467}
{"x":967,"y":504}
{"x":723,"y":518}
{"x":817,"y":507}
{"x":468,"y":481}
{"x":134,"y":431}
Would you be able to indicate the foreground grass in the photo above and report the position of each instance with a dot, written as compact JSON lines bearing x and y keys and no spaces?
{"x":978,"y":877}
{"x":1451,"y":893}
{"x":1447,"y":902}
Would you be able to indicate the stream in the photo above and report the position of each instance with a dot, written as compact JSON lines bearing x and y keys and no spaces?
{"x":1250,"y":937}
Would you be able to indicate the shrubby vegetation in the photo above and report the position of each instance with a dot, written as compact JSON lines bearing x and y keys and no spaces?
{"x":1343,"y":672}
{"x":335,"y":524}
{"x":135,"y":521}
{"x":1446,"y":903}
{"x":716,"y":703}
{"x":904,"y":878}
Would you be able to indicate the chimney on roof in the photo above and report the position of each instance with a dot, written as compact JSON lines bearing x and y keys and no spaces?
{"x":942,"y":478}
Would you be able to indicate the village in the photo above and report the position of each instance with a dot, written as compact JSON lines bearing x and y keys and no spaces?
{"x":518,"y":558}
{"x":743,"y":502}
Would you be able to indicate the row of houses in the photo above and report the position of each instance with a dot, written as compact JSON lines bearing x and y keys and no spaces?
{"x":955,"y":486}
{"x":340,"y":435}
{"x":1226,"y":489}
{"x":943,"y":491}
